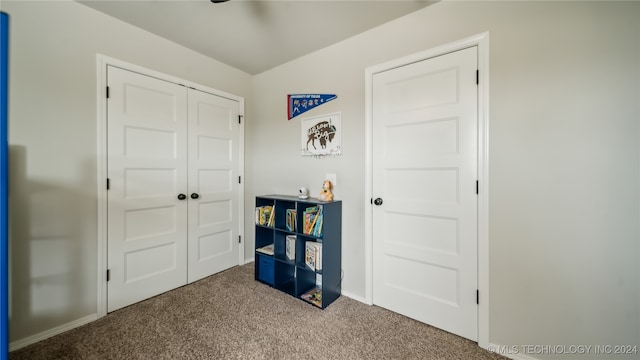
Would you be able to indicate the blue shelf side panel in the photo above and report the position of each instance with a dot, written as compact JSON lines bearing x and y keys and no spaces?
{"x":4,"y":178}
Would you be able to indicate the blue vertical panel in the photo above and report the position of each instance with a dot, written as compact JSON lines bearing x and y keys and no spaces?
{"x":4,"y":179}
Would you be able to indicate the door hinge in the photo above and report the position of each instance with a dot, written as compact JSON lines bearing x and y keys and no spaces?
{"x":107,"y":92}
{"x":477,"y":187}
{"x":108,"y":274}
{"x":239,"y":179}
{"x":108,"y":184}
{"x":239,"y":119}
{"x":477,"y":297}
{"x":239,"y":239}
{"x":477,"y":77}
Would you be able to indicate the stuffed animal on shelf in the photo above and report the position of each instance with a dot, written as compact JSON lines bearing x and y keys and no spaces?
{"x":326,"y":194}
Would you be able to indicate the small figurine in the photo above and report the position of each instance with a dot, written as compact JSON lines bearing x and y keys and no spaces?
{"x":325,"y":194}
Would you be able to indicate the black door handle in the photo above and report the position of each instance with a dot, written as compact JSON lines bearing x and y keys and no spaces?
{"x":195,"y":196}
{"x":182,"y":196}
{"x":377,"y":201}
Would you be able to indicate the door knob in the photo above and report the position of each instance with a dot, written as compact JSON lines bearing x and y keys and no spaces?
{"x":195,"y":196}
{"x":377,"y":201}
{"x":182,"y":196}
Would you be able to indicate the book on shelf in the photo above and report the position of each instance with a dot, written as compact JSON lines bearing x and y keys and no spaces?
{"x":265,"y":215}
{"x":272,"y":216}
{"x":313,"y":220}
{"x":291,"y":219}
{"x":313,"y":255}
{"x":317,"y":228}
{"x":268,"y":250}
{"x":290,"y":247}
{"x":308,"y":216}
{"x":313,"y":296}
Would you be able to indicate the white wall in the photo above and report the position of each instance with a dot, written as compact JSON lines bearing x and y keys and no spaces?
{"x":53,"y":210}
{"x":564,"y":157}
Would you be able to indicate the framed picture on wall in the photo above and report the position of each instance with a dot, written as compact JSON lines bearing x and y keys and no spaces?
{"x":322,"y":135}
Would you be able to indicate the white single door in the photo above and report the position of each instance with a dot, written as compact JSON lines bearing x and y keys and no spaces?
{"x":424,"y":173}
{"x":213,"y":183}
{"x":147,"y":171}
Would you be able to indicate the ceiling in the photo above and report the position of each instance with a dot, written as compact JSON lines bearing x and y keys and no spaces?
{"x":256,"y":35}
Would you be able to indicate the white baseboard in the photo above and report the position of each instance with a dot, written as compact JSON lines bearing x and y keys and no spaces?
{"x":250,"y":260}
{"x":15,"y":345}
{"x":355,"y":297}
{"x":504,"y":350}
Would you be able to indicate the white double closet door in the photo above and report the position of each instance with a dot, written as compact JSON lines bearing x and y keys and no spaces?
{"x":173,"y":165}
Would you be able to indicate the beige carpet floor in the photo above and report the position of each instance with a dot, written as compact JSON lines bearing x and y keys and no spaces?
{"x":231,"y":316}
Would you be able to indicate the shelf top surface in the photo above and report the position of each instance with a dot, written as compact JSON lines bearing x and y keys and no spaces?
{"x":310,"y":199}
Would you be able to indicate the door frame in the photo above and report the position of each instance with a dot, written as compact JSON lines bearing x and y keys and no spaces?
{"x":482,"y":42}
{"x":102,"y":62}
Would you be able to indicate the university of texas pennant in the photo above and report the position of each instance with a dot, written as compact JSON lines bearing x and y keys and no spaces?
{"x":300,"y":103}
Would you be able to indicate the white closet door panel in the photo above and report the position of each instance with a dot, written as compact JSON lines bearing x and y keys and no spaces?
{"x":213,"y":175}
{"x":147,"y":168}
